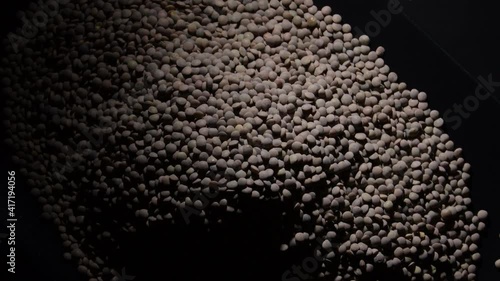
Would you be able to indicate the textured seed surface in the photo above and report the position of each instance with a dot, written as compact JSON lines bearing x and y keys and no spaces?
{"x":151,"y":107}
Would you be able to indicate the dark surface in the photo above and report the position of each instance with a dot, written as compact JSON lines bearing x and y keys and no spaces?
{"x":440,"y":48}
{"x":469,"y":31}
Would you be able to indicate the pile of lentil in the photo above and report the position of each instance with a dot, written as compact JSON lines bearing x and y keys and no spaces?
{"x":159,"y":109}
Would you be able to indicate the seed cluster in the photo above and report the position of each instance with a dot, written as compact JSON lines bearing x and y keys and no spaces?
{"x":155,"y":109}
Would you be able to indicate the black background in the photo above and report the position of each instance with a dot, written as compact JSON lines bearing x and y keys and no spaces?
{"x":440,"y":47}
